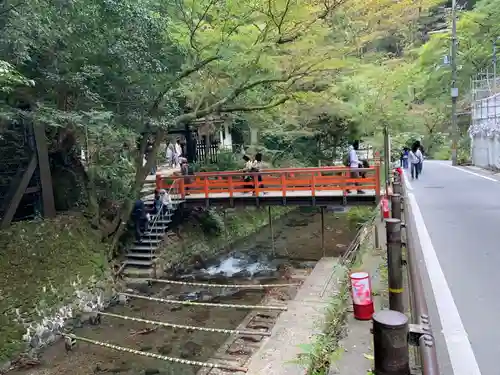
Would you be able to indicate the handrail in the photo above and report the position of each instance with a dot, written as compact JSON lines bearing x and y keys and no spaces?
{"x":152,"y":223}
{"x":284,"y":170}
{"x":420,"y":313}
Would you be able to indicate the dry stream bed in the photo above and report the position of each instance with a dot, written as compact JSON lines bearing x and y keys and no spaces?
{"x":297,"y":247}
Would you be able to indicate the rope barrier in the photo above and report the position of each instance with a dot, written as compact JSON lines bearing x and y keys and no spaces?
{"x":159,"y":356}
{"x":180,"y":326}
{"x":242,"y":286}
{"x":220,"y":305}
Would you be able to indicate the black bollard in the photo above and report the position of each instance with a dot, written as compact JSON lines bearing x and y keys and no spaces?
{"x":397,"y":188}
{"x":390,"y":343}
{"x":395,"y":264}
{"x":396,"y":206}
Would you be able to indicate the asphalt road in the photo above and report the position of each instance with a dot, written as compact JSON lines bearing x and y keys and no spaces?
{"x":456,"y":214}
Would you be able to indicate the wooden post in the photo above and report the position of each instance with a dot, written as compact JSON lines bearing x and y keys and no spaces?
{"x":17,"y":189}
{"x":49,"y":209}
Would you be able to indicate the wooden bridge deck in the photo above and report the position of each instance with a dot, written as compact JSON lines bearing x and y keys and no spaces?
{"x":294,"y":186}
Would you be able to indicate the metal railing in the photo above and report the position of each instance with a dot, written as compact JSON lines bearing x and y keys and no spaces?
{"x":393,"y":333}
{"x":173,"y":193}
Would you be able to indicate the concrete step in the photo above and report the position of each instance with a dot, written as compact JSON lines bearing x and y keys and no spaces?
{"x":162,"y":221}
{"x":140,"y":255}
{"x":143,"y":248}
{"x":151,"y":242}
{"x":138,"y":263}
{"x":154,"y":234}
{"x":134,"y":272}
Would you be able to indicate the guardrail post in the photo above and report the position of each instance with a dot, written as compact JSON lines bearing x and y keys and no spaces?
{"x":396,"y":206}
{"x":395,"y":264}
{"x":397,"y":188}
{"x":390,"y":343}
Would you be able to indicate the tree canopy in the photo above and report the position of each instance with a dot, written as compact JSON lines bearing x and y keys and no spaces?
{"x":310,"y":75}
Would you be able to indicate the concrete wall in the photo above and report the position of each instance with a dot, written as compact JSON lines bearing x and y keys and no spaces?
{"x":485,"y":132}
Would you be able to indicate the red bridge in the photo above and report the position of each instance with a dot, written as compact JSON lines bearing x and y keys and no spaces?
{"x":293,"y":186}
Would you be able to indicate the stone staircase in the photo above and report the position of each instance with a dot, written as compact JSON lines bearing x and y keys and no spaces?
{"x":139,"y":261}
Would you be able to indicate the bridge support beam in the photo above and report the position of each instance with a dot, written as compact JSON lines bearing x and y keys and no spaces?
{"x":271,"y":229}
{"x":323,"y":229}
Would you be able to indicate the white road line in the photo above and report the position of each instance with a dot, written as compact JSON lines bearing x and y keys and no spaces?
{"x":470,"y":172}
{"x":460,"y":351}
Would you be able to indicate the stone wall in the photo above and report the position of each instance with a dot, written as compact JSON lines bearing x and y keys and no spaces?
{"x":46,"y":326}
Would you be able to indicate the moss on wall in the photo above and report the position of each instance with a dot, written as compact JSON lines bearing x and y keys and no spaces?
{"x":196,"y":237}
{"x":41,"y":264}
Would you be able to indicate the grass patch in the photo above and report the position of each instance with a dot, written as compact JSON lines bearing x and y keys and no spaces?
{"x":39,"y":262}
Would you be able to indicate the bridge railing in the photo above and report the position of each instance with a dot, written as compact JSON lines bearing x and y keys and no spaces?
{"x":281,"y":182}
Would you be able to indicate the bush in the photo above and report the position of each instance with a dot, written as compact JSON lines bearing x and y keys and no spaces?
{"x":226,"y":161}
{"x":211,"y":222}
{"x":358,"y":216}
{"x":444,"y":153}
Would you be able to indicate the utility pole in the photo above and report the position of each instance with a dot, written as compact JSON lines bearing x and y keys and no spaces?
{"x":454,"y":89}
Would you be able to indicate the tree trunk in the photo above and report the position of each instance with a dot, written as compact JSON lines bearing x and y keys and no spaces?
{"x":140,"y":177}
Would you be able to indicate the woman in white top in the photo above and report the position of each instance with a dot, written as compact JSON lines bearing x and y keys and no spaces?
{"x":166,"y":200}
{"x":415,"y":157}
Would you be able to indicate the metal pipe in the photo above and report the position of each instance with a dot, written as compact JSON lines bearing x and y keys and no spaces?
{"x":420,"y":313}
{"x":395,"y":265}
{"x":390,"y":343}
{"x":396,"y":206}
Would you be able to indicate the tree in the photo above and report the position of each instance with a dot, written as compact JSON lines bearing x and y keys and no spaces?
{"x":109,"y":72}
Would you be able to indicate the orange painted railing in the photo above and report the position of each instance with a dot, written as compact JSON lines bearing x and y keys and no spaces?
{"x":282,"y":181}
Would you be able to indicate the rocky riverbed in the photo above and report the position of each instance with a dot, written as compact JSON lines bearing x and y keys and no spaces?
{"x":297,"y":245}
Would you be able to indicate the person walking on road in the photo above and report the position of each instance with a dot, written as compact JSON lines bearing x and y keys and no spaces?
{"x":404,"y":158}
{"x":415,"y":157}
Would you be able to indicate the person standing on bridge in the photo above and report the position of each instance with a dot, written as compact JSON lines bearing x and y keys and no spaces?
{"x":257,"y":167}
{"x":247,"y":168}
{"x":416,"y":158}
{"x":353,"y":163}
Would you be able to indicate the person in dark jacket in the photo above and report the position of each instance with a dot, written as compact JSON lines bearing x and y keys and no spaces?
{"x":139,"y":218}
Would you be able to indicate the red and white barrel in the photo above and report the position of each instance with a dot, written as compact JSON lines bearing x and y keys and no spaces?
{"x":362,"y":301}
